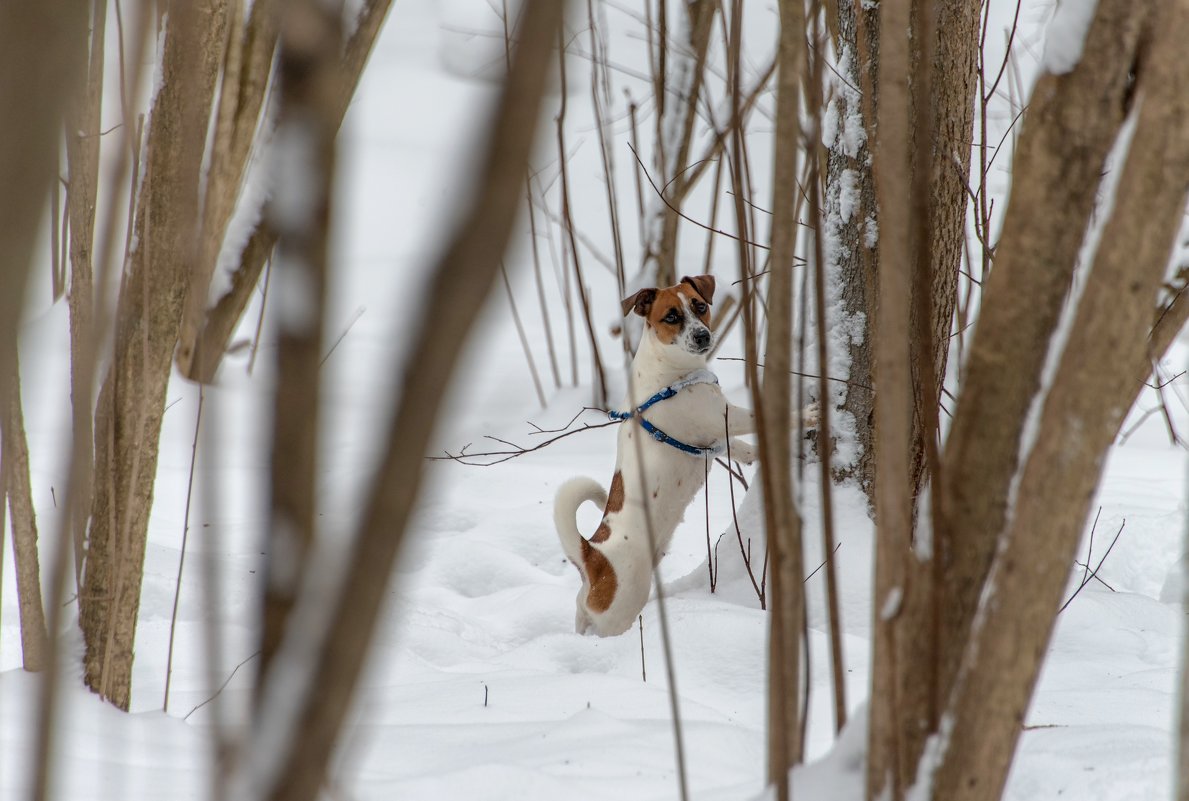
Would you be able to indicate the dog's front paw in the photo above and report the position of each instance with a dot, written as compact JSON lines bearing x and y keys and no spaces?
{"x":811,"y":416}
{"x":743,"y":452}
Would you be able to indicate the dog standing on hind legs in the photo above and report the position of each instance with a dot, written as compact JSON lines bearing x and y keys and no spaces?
{"x":675,"y":416}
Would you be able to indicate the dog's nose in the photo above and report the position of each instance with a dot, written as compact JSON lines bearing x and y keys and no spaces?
{"x":702,"y":339}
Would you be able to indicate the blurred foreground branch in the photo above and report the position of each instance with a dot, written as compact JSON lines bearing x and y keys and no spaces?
{"x":307,"y":693}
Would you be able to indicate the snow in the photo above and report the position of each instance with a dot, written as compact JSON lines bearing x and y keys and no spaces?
{"x":1066,"y":35}
{"x":477,"y":685}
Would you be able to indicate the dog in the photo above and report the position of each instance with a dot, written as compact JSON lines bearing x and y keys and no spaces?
{"x":681,"y":420}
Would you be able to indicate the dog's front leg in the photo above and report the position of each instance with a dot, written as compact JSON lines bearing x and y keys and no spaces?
{"x":740,"y":420}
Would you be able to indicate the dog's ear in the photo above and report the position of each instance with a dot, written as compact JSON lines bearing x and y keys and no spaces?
{"x":702,"y":284}
{"x":640,"y":302}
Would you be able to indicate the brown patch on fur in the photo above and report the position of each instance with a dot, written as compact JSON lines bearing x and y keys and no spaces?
{"x":601,"y":578}
{"x":640,"y":302}
{"x":655,"y":304}
{"x":614,"y":504}
{"x":684,"y":289}
{"x":702,"y":284}
{"x":667,"y":300}
{"x":615,"y":499}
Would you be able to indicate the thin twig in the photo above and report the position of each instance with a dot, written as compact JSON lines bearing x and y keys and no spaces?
{"x":803,"y":375}
{"x":524,"y":346}
{"x":222,"y":686}
{"x":643,"y":669}
{"x":743,"y":550}
{"x":1094,"y":574}
{"x":177,"y":591}
{"x":498,"y":457}
{"x":350,"y":324}
{"x":823,"y":564}
{"x":682,"y":214}
{"x":709,"y":549}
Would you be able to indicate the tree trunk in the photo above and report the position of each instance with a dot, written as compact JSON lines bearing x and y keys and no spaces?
{"x":82,"y":153}
{"x":244,"y":80}
{"x":782,"y":521}
{"x":949,"y":88}
{"x":854,"y":226}
{"x":1072,"y":122}
{"x":1082,"y":414}
{"x":221,"y":320}
{"x":896,"y":705}
{"x":132,"y":399}
{"x":24,"y":530}
{"x":852,"y":233}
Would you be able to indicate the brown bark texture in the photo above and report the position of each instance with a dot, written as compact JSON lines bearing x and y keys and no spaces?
{"x":1070,"y":126}
{"x":221,"y":320}
{"x":247,"y":65}
{"x":132,"y":398}
{"x":1082,"y":413}
{"x":851,"y":233}
{"x":82,"y":154}
{"x":952,"y":53}
{"x":308,"y":725}
{"x":24,"y":530}
{"x":782,"y":520}
{"x":943,"y":100}
{"x":889,"y":739}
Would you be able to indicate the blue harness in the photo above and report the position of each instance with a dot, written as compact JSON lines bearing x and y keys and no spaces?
{"x":696,"y":377}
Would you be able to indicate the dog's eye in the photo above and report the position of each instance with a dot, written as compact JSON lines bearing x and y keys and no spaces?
{"x":672,"y":317}
{"x":699,"y":307}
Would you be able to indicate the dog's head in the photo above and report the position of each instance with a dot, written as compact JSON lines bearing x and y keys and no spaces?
{"x":678,"y":316}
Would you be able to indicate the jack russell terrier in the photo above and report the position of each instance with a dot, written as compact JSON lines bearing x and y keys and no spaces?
{"x":681,"y":418}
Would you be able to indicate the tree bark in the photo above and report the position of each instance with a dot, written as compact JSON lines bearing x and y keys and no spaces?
{"x":82,"y":154}
{"x":24,"y":530}
{"x":221,"y":320}
{"x":1071,"y":124}
{"x":853,"y":225}
{"x":245,"y":78}
{"x":891,"y":734}
{"x":132,"y":399}
{"x":1081,"y":415}
{"x":852,"y":234}
{"x":782,"y":521}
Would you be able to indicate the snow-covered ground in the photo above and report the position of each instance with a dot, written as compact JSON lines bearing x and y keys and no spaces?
{"x":477,"y":686}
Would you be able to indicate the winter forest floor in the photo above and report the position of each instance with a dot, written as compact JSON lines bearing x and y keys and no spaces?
{"x":477,"y":686}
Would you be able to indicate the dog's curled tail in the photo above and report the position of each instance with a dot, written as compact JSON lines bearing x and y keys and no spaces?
{"x":570,"y":496}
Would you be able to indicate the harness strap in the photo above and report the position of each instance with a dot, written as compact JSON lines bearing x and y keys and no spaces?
{"x":696,"y":377}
